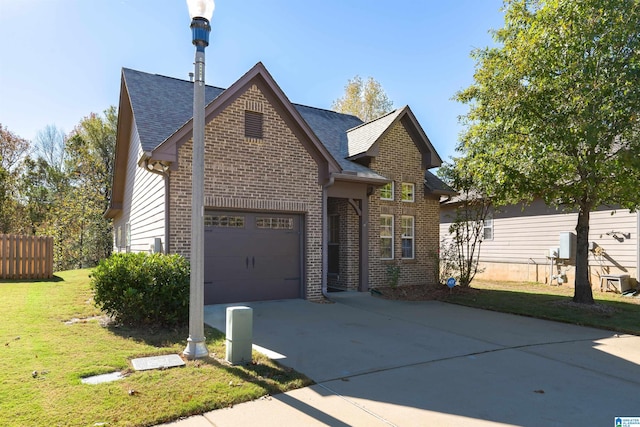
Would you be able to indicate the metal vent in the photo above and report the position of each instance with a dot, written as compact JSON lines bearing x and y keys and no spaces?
{"x":253,"y":125}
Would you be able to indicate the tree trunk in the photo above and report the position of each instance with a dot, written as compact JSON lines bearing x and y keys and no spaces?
{"x":582,"y":292}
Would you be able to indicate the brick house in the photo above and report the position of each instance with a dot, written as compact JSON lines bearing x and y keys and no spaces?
{"x":297,"y":199}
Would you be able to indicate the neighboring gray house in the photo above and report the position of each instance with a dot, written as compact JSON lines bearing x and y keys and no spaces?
{"x":297,"y":199}
{"x":518,"y":240}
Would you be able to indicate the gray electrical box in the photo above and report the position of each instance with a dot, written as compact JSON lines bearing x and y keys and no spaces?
{"x":567,"y":248}
{"x":157,"y":245}
{"x":239,"y":334}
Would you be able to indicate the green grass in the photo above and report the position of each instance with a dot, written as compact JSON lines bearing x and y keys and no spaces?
{"x":35,"y":337}
{"x":611,"y":311}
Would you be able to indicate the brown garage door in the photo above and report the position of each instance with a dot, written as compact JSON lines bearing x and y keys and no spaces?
{"x":251,"y":257}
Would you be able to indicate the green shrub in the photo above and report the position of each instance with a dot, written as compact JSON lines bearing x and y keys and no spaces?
{"x":140,"y":289}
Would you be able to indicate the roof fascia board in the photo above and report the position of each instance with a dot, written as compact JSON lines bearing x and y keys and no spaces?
{"x":123,"y":139}
{"x":362,"y":179}
{"x":430,"y":157}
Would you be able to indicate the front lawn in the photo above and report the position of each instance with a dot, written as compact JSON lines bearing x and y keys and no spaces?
{"x":52,"y":337}
{"x":611,"y":311}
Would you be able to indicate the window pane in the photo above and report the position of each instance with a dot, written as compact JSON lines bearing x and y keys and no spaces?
{"x":407,"y":248}
{"x":386,"y":226}
{"x":274,"y":223}
{"x":408,"y":192}
{"x":386,"y":192}
{"x":386,"y":248}
{"x":386,"y":236}
{"x":487,"y":232}
{"x":408,"y":233}
{"x":223,"y":221}
{"x":407,"y":226}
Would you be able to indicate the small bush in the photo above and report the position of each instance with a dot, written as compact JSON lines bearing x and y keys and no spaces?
{"x":393,"y":274}
{"x":140,"y":289}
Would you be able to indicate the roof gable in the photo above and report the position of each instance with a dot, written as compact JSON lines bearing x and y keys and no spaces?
{"x":363,"y":140}
{"x":259,"y":76}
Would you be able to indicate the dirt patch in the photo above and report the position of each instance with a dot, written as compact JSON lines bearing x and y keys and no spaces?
{"x":420,"y":292}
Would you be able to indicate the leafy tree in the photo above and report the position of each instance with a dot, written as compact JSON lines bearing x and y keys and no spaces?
{"x":461,"y":252}
{"x":82,"y":236}
{"x":554,"y":110}
{"x":41,"y":186}
{"x":363,"y":99}
{"x":12,"y":149}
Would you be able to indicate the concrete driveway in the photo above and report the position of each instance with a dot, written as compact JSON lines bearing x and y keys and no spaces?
{"x":379,"y":362}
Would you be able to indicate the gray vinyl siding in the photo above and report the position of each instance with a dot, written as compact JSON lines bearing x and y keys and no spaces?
{"x":143,"y":206}
{"x":522,"y":236}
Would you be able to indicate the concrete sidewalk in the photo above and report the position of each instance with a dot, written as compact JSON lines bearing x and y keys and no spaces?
{"x":379,"y":362}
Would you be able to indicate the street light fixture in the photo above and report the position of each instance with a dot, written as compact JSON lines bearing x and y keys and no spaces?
{"x":200,"y":12}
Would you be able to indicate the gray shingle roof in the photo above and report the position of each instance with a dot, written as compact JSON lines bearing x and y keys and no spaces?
{"x":436,"y":185}
{"x":161,"y":105}
{"x":361,"y":138}
{"x":331,"y":129}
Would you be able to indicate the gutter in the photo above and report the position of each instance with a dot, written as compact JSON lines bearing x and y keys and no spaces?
{"x":167,"y":186}
{"x":357,"y":178}
{"x":325,"y":236}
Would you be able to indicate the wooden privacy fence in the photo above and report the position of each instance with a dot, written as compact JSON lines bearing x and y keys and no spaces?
{"x":26,"y":257}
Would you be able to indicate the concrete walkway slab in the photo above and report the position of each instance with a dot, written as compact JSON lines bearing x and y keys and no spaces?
{"x":379,"y":362}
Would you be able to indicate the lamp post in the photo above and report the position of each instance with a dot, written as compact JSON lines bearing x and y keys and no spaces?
{"x":200,"y":12}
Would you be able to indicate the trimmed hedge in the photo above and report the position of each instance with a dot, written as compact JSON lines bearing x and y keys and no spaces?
{"x":140,"y":289}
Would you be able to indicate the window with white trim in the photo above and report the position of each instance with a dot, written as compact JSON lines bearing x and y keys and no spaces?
{"x":408,"y":192}
{"x":408,"y":237}
{"x":386,"y":192}
{"x":117,"y":234}
{"x":487,"y":227}
{"x":386,"y":236}
{"x":127,"y":236}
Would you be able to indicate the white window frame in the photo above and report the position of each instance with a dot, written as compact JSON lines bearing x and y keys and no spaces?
{"x":411,"y":237}
{"x":388,"y":217}
{"x":117,"y":231}
{"x":127,"y":236}
{"x":412,"y":192}
{"x":392,"y":191}
{"x":487,"y":227}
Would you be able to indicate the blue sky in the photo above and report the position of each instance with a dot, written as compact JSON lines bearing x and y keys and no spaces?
{"x":60,"y":60}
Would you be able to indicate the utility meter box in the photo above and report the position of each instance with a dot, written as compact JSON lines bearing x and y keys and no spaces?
{"x":567,"y":248}
{"x":239,"y":334}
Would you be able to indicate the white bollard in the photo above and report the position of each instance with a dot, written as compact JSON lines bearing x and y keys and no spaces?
{"x":239,"y":334}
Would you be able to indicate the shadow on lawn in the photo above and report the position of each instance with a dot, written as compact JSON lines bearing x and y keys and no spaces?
{"x":272,"y":377}
{"x":619,"y":316}
{"x":54,"y":279}
{"x":162,"y":337}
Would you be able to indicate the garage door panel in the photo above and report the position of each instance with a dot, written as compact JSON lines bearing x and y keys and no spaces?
{"x":252,"y":257}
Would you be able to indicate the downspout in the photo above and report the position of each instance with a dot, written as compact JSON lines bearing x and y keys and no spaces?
{"x":167,"y":182}
{"x":638,"y":250}
{"x":325,"y":235}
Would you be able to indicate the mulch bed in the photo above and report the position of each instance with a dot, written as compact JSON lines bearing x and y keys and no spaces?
{"x":427,"y":292}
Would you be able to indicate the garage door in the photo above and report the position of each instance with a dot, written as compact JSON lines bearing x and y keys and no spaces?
{"x":252,"y":257}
